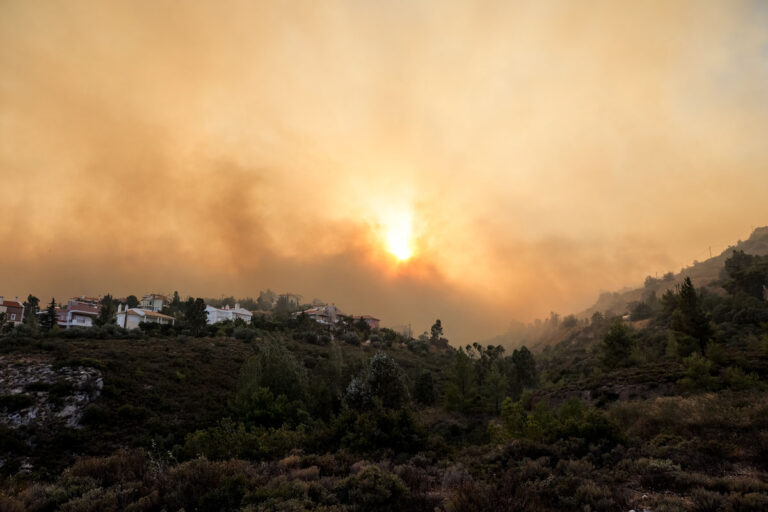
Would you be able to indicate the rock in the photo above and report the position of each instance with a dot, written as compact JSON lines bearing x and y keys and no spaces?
{"x":16,"y":376}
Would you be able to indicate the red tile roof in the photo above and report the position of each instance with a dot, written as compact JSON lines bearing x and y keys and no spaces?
{"x":11,"y":304}
{"x":84,"y":308}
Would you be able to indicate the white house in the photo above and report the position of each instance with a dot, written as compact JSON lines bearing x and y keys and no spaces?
{"x":80,"y":312}
{"x":216,"y":315}
{"x":131,"y":318}
{"x":153,"y":302}
{"x":327,"y":315}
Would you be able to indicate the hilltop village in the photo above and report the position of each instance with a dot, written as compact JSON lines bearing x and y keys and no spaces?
{"x":168,"y":311}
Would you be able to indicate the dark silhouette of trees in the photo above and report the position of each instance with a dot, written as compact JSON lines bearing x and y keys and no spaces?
{"x":424,"y":389}
{"x":48,"y":319}
{"x":107,"y":311}
{"x":31,"y":308}
{"x":617,"y":345}
{"x":461,"y":392}
{"x":195,"y":315}
{"x":747,"y":274}
{"x":436,"y":332}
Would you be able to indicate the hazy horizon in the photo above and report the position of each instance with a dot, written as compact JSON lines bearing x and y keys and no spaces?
{"x":478,"y":163}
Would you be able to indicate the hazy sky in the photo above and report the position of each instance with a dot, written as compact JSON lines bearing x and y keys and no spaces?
{"x":537,"y":152}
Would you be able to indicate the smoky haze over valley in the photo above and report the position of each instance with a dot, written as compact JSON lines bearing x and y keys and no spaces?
{"x":538,"y":154}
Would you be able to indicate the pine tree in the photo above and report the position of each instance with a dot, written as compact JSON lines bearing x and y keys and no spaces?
{"x":48,"y":321}
{"x":692,"y":321}
{"x":617,"y":345}
{"x":436,"y":331}
{"x":495,"y":389}
{"x":196,"y":315}
{"x":525,"y":364}
{"x":424,"y":389}
{"x":31,"y":308}
{"x":107,"y":311}
{"x":461,"y":392}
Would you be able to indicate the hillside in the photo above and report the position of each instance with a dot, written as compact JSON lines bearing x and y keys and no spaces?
{"x":701,"y":273}
{"x":706,"y":273}
{"x":664,"y":413}
{"x":141,"y":390}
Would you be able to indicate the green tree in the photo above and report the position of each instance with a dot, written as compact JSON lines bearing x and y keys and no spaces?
{"x":690,"y":317}
{"x":195,"y":315}
{"x":436,"y":332}
{"x":48,"y":320}
{"x":284,"y":307}
{"x":132,"y":301}
{"x":31,"y":308}
{"x":107,"y":311}
{"x":513,"y":417}
{"x":495,"y":388}
{"x":569,"y":322}
{"x":747,"y":274}
{"x":697,"y":374}
{"x":640,"y":311}
{"x":617,"y":345}
{"x":381,"y":383}
{"x":461,"y":390}
{"x":525,"y":366}
{"x":271,"y":389}
{"x":424,"y":389}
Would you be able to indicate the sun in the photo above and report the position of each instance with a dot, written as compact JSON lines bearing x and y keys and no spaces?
{"x":398,"y":243}
{"x":399,"y":236}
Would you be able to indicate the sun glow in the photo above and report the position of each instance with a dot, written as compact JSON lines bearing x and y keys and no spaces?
{"x":399,"y":234}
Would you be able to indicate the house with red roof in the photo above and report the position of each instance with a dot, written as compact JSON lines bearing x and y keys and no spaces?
{"x":372,"y":321}
{"x":154,"y":302}
{"x":79,"y":312}
{"x":13,"y":309}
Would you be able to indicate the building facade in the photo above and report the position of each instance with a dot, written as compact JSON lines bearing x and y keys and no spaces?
{"x":372,"y":321}
{"x":13,"y":309}
{"x":130,"y":318}
{"x":79,"y":312}
{"x":153,"y":302}
{"x":216,"y":315}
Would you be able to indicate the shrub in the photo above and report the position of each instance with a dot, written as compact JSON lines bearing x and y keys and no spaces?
{"x":697,"y":374}
{"x":371,"y":489}
{"x":245,"y":334}
{"x":707,"y":501}
{"x":736,"y":378}
{"x":94,"y":414}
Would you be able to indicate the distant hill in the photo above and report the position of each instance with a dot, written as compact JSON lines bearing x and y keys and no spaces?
{"x":550,"y":331}
{"x":701,"y":273}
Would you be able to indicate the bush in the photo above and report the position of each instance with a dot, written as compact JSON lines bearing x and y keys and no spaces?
{"x":351,"y":338}
{"x":737,"y":379}
{"x":245,"y":334}
{"x":707,"y":501}
{"x":94,"y":415}
{"x":697,"y":374}
{"x":372,"y":489}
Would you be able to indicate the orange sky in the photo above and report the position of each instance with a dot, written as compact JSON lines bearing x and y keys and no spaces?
{"x":538,"y":152}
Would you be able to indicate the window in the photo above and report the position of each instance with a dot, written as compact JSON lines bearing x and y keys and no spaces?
{"x":13,"y":316}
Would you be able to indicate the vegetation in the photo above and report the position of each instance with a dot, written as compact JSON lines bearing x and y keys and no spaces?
{"x":661,"y":408}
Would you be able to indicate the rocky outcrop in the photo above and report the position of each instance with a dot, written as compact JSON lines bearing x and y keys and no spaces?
{"x":37,"y":392}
